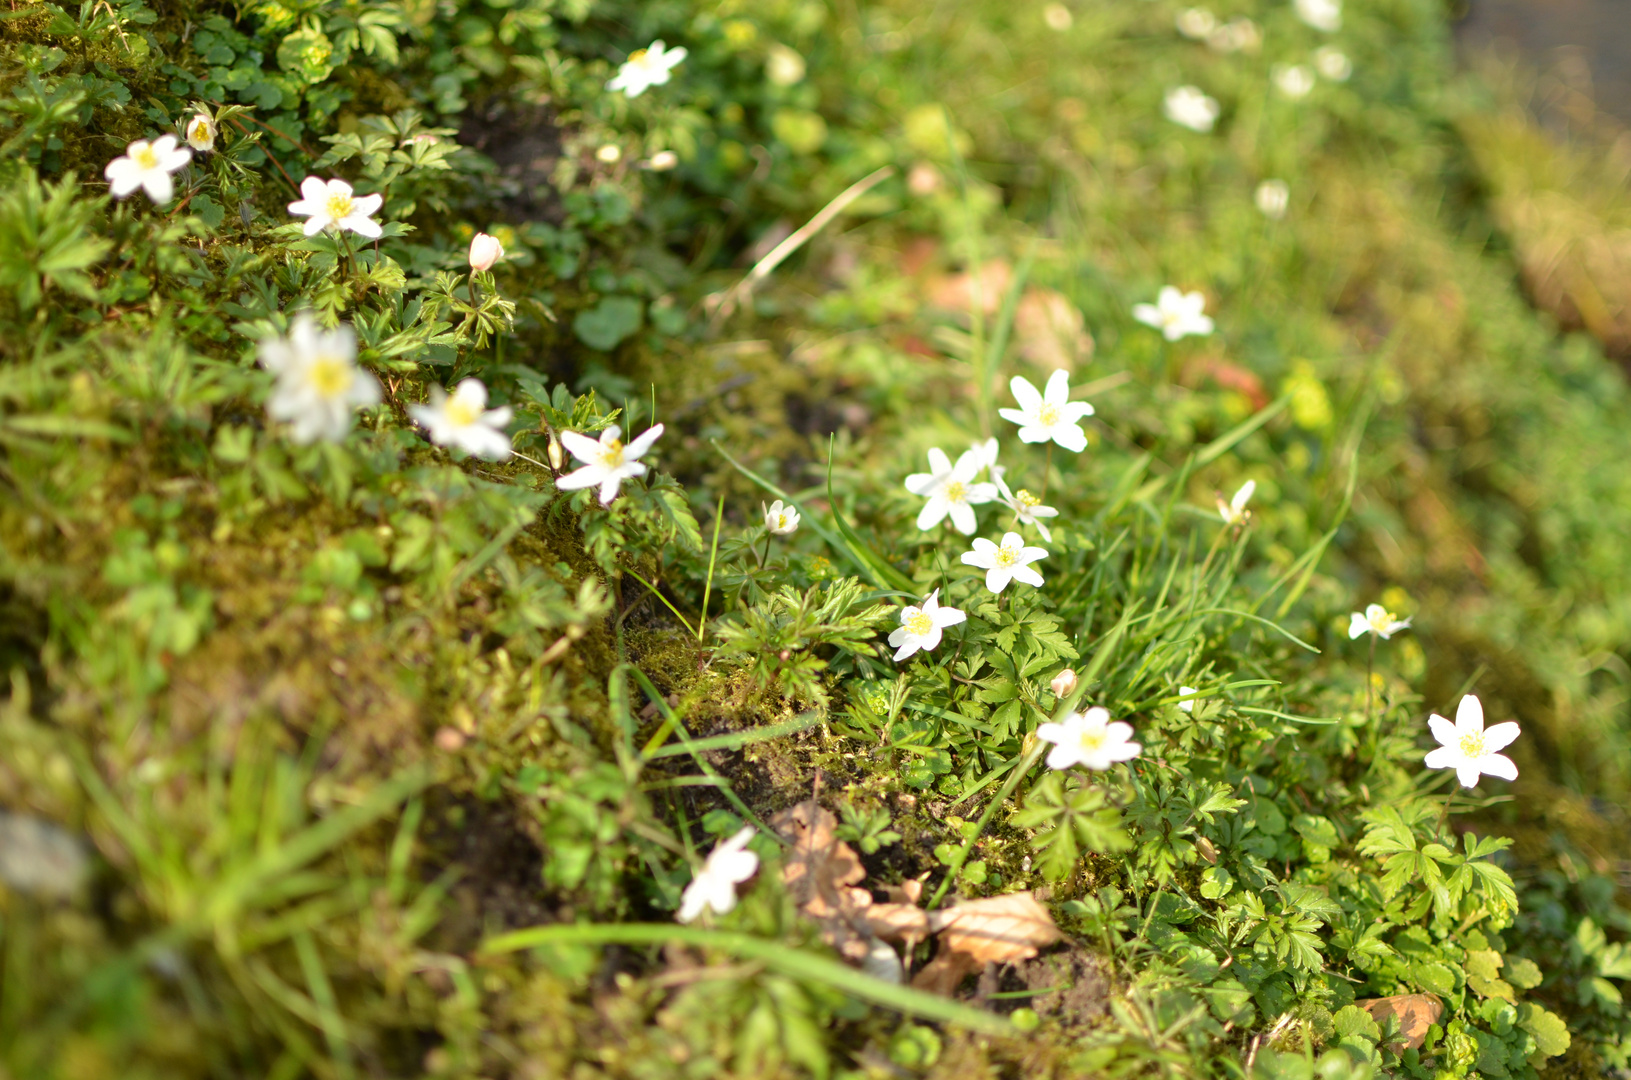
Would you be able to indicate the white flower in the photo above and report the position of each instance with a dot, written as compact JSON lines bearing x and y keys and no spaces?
{"x":1196,"y":23}
{"x":1234,"y":511}
{"x":1188,"y":692}
{"x":1049,"y":415}
{"x":1272,"y":198}
{"x":646,"y":68}
{"x":1323,"y":15}
{"x":987,"y":454}
{"x":609,"y":154}
{"x":200,"y":133}
{"x":784,"y":66}
{"x":1005,"y":562}
{"x":951,"y":489}
{"x":147,"y":165}
{"x":319,"y":384}
{"x":1063,"y":683}
{"x":1333,"y":63}
{"x":1175,"y":314}
{"x":608,"y":462}
{"x":1236,"y":35}
{"x":1294,"y":81}
{"x":1189,"y":107}
{"x":484,"y":251}
{"x":781,"y":520}
{"x":331,"y":204}
{"x":463,"y":420}
{"x":920,"y":627}
{"x":1376,"y":620}
{"x":727,"y":866}
{"x":663,"y":160}
{"x":1027,"y":508}
{"x":1089,"y":739}
{"x":1467,"y":748}
{"x":1058,"y":17}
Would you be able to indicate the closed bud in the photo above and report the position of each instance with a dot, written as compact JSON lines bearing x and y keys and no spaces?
{"x":485,"y":251}
{"x":200,"y":133}
{"x":663,"y":160}
{"x":557,"y":458}
{"x":1063,"y":683}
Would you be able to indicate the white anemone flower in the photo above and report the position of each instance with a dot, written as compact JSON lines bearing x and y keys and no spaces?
{"x":779,"y":519}
{"x":462,"y":419}
{"x":1376,"y":620}
{"x":147,"y":165}
{"x":1196,"y":23}
{"x":607,"y":462}
{"x":1333,"y":63}
{"x":1234,"y":511}
{"x":1236,"y":35}
{"x":332,"y":204}
{"x":1048,"y":416}
{"x":1027,"y":508}
{"x":1294,"y":81}
{"x":319,"y":385}
{"x":1469,"y":749}
{"x":726,"y":867}
{"x":1005,"y":562}
{"x":1323,"y":15}
{"x":1273,"y":198}
{"x":646,"y":68}
{"x":200,"y":132}
{"x":921,"y":627}
{"x":1176,"y":314}
{"x":1188,"y":106}
{"x":1091,"y":739}
{"x":951,"y":489}
{"x":987,"y":453}
{"x":1187,"y":692}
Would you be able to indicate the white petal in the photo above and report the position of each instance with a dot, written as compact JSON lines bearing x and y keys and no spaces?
{"x":641,"y":444}
{"x":1467,"y":772}
{"x":1057,"y":392}
{"x":1443,"y":757}
{"x":314,"y":191}
{"x":1025,"y":394}
{"x":1358,"y":625}
{"x":939,"y":463}
{"x":1469,"y":715}
{"x":1148,"y":314}
{"x":962,"y":518}
{"x":1500,"y":737}
{"x":1444,"y":731}
{"x":997,"y":579}
{"x":949,"y":616}
{"x":1499,"y":765}
{"x":1070,"y":437}
{"x":583,"y":448}
{"x":934,"y":511}
{"x":586,"y":477}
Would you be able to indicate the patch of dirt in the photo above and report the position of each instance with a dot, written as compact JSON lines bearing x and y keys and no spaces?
{"x":501,"y":884}
{"x":525,"y":143}
{"x":1082,"y":976}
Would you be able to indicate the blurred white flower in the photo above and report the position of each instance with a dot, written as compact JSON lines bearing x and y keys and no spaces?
{"x":1049,"y":415}
{"x":1196,"y":23}
{"x":1091,"y":739}
{"x":319,"y":385}
{"x":1236,"y":35}
{"x":951,"y":490}
{"x":781,"y":520}
{"x":1190,"y":108}
{"x":1323,"y":15}
{"x":1295,"y":81}
{"x":921,"y":627}
{"x":784,"y":66}
{"x":1005,"y":562}
{"x":1376,"y":620}
{"x":1470,"y":750}
{"x":606,"y":463}
{"x":147,"y":165}
{"x":646,"y":68}
{"x":484,"y":251}
{"x":1027,"y":508}
{"x":1234,"y":511}
{"x":331,"y":204}
{"x":726,"y":867}
{"x":463,"y":420}
{"x":1063,"y":683}
{"x":987,"y":452}
{"x":1333,"y":63}
{"x":200,"y":133}
{"x":609,"y":154}
{"x":40,"y":858}
{"x":1187,"y":691}
{"x":1175,"y":314}
{"x":1273,"y":197}
{"x":663,"y":160}
{"x":1058,"y":17}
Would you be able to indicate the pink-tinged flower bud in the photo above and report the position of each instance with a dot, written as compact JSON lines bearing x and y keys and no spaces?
{"x":485,"y":251}
{"x":1064,"y":682}
{"x":201,"y":132}
{"x":557,"y":459}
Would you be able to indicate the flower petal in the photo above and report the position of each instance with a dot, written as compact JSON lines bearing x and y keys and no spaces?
{"x":1443,"y":757}
{"x":1469,"y":715}
{"x":1057,"y":392}
{"x":1500,"y":737}
{"x":639,"y":445}
{"x":1500,"y":766}
{"x":1024,"y":393}
{"x":1070,"y":437}
{"x":939,"y":463}
{"x":1357,"y":625}
{"x":586,"y":477}
{"x":582,"y":447}
{"x":1444,"y":731}
{"x":1467,"y":772}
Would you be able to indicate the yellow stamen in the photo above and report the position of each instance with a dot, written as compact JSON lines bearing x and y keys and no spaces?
{"x":460,"y":412}
{"x":956,"y":491}
{"x":1048,"y":414}
{"x":1026,"y":500}
{"x":611,"y":453}
{"x":1007,"y":556}
{"x":918,"y":624}
{"x":144,"y":156}
{"x":329,"y":375}
{"x":1472,"y":745}
{"x":1091,"y":740}
{"x":339,"y":206}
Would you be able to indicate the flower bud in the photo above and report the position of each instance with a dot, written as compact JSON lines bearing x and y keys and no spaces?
{"x":557,"y":459}
{"x":610,"y":154}
{"x":201,"y":132}
{"x":485,"y":251}
{"x":1063,"y":683}
{"x":663,"y":160}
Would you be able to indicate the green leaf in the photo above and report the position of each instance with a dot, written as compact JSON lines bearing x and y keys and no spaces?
{"x":1550,"y":1032}
{"x":609,"y":323}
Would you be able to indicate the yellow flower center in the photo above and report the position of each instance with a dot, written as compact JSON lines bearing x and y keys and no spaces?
{"x":1383,"y":620}
{"x":638,"y":57}
{"x":918,"y":624}
{"x":329,"y":375}
{"x":611,"y":454}
{"x":781,"y":521}
{"x":460,"y":412}
{"x":339,"y":206}
{"x":1007,"y":556}
{"x":956,"y":491}
{"x":144,"y":156}
{"x":1026,"y":500}
{"x":1472,"y":745}
{"x":1048,"y":414}
{"x":1091,"y":740}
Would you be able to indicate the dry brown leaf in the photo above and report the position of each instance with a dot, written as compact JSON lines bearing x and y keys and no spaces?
{"x":1049,"y":330}
{"x":818,"y":871}
{"x":999,"y":929}
{"x":1415,"y":1012}
{"x":945,"y":973}
{"x":958,"y":292}
{"x":898,"y":922}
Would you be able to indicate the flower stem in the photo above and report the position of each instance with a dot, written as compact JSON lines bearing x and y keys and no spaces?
{"x":1444,"y":818}
{"x":1370,"y":680}
{"x":766,"y":553}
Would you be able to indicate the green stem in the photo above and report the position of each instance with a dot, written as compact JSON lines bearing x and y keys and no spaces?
{"x":1444,"y":818}
{"x":1008,"y":786}
{"x":707,"y":589}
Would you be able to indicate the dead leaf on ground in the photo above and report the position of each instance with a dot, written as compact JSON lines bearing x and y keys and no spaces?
{"x":1049,"y":330}
{"x":1415,"y":1013}
{"x":819,"y":870}
{"x":997,"y":929}
{"x":958,"y":292}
